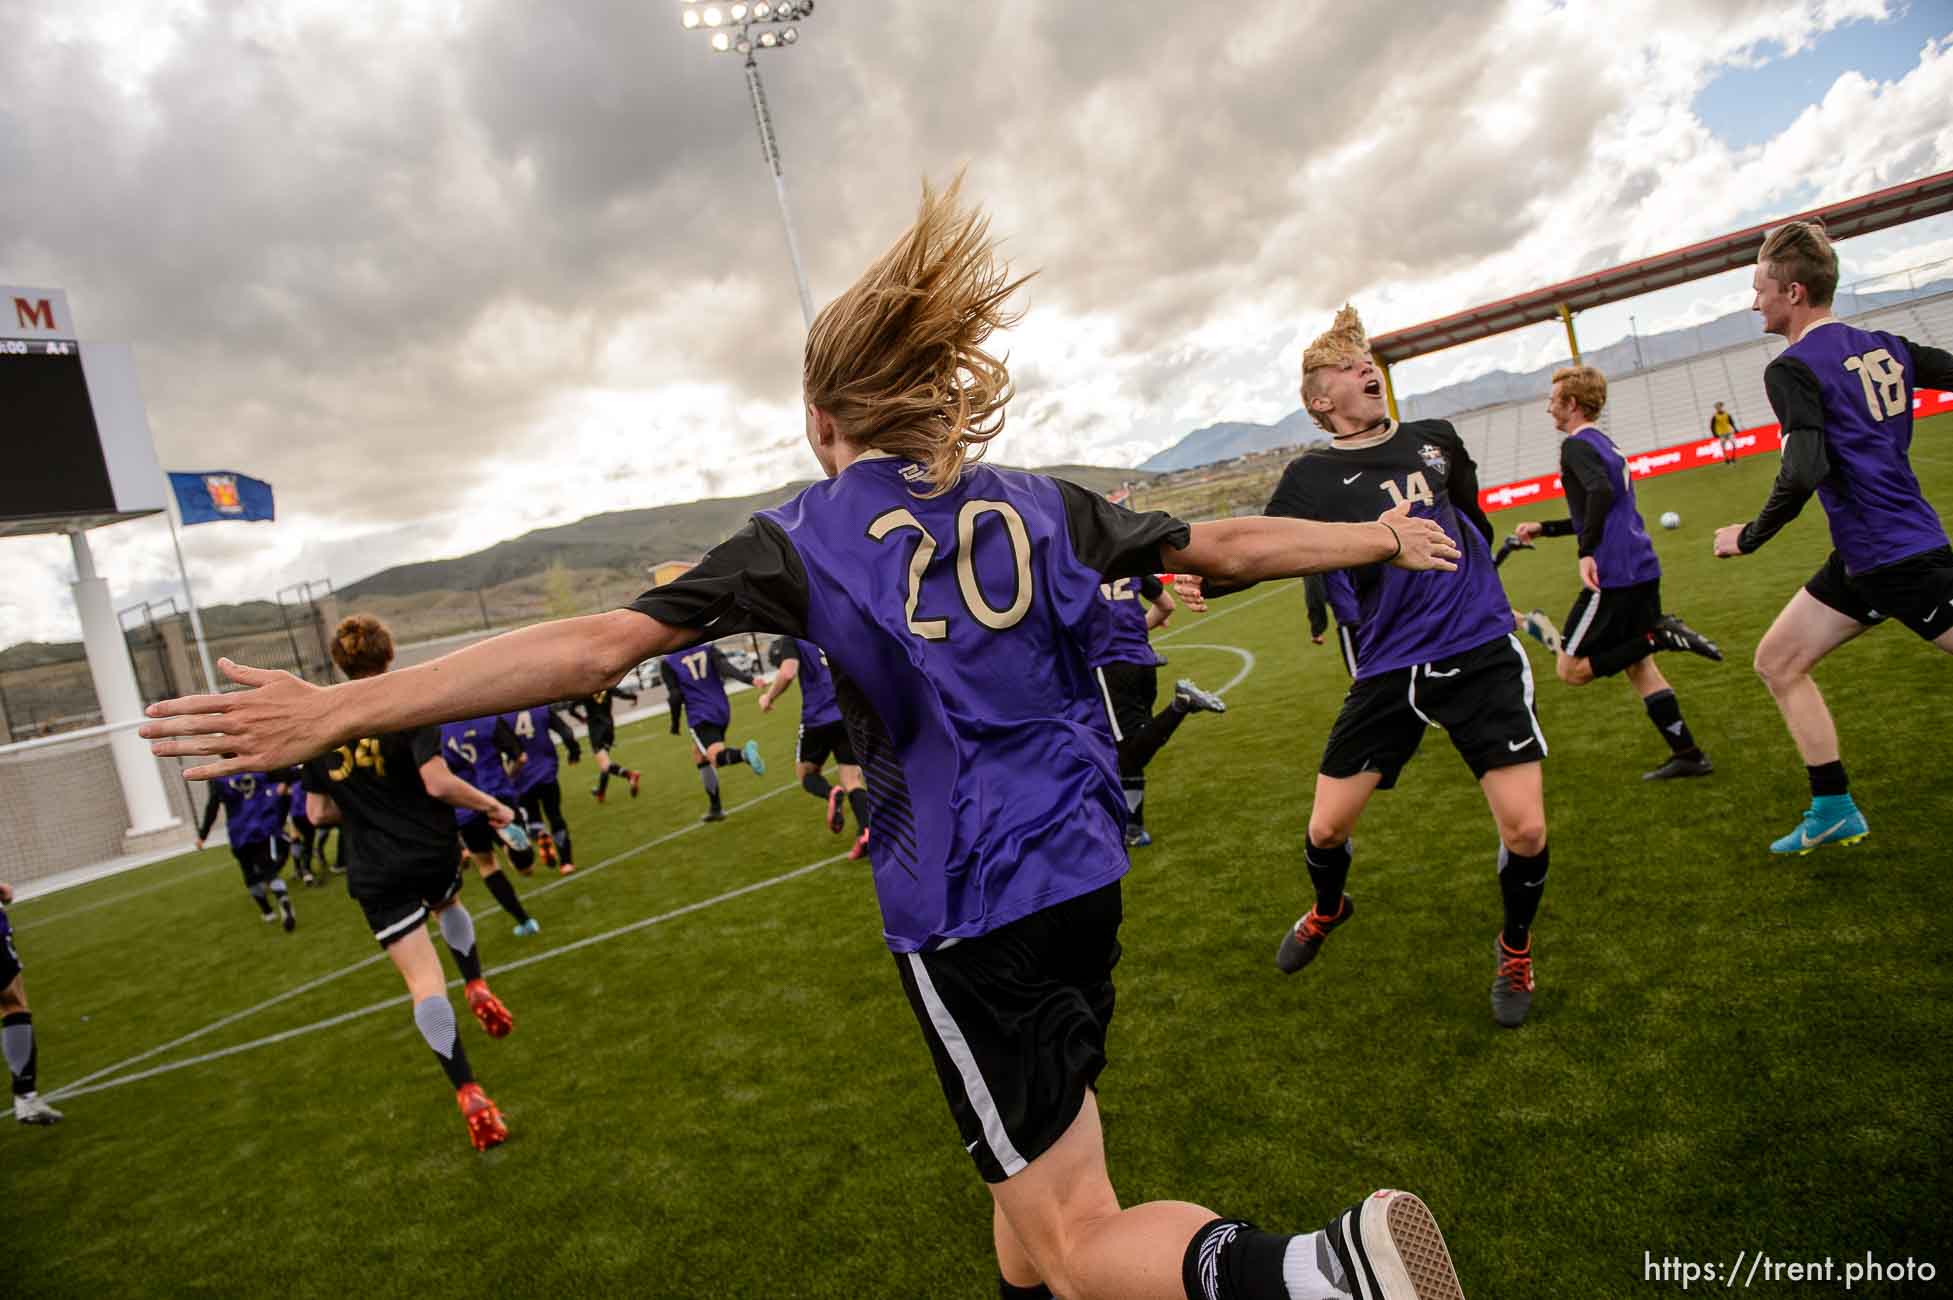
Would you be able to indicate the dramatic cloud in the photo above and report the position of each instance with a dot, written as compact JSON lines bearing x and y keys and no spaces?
{"x":443,"y":271}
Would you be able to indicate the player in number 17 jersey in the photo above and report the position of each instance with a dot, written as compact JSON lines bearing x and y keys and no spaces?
{"x":1843,"y":398}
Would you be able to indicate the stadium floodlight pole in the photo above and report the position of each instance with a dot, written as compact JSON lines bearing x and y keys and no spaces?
{"x":732,"y":27}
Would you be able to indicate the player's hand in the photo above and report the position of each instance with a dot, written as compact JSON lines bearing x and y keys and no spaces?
{"x":1729,"y":540}
{"x":1589,"y":573}
{"x":279,"y":721}
{"x":766,"y":704}
{"x":1421,"y":542}
{"x":1527,"y":531}
{"x":500,"y":815}
{"x":1186,"y":586}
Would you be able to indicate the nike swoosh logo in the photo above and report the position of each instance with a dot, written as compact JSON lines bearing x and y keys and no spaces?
{"x":1812,"y":843}
{"x":1535,"y":884}
{"x":973,"y":1145}
{"x":1432,"y":672}
{"x":1351,"y":479}
{"x":1516,"y":745}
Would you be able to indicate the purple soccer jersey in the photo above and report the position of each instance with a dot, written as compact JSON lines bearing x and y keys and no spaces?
{"x":531,"y":727}
{"x":704,"y":691}
{"x":1625,"y":557}
{"x":1397,"y":618}
{"x":469,"y":748}
{"x":297,"y":811}
{"x":961,"y":630}
{"x":1126,"y":601}
{"x":253,"y":808}
{"x":1877,"y":511}
{"x":818,"y":705}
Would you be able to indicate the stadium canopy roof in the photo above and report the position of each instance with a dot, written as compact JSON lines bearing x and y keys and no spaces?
{"x":1897,"y":205}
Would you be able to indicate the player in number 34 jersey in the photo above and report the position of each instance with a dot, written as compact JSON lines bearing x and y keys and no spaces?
{"x":1843,"y":397}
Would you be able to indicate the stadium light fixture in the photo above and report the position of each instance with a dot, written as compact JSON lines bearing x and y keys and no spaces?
{"x":734,"y":32}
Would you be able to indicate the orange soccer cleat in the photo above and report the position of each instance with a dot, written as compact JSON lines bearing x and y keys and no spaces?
{"x":485,"y":1126}
{"x":497,"y":1021}
{"x":860,"y":849}
{"x":635,"y":778}
{"x":545,"y":848}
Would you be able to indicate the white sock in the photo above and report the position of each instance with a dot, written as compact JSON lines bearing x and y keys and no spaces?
{"x":458,"y":928}
{"x":1311,"y":1271}
{"x":434,"y":1017}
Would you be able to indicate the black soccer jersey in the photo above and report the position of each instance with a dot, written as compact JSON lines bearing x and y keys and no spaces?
{"x":390,"y":819}
{"x":1398,"y":618}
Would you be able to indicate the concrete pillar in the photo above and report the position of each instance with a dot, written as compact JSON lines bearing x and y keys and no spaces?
{"x":115,"y":687}
{"x":176,"y":653}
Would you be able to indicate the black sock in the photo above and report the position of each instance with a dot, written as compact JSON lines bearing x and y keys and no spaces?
{"x":1828,"y":779}
{"x":23,"y":1054}
{"x":1666,"y":713}
{"x":1522,"y":880}
{"x":1134,"y":788}
{"x":263,"y":901}
{"x":816,"y":784}
{"x":434,"y":1017}
{"x":1329,"y":872}
{"x":562,"y":837}
{"x":858,"y":800}
{"x":1232,"y":1260}
{"x":728,"y":756}
{"x":1037,"y":1291}
{"x":603,"y":779}
{"x":504,"y":891}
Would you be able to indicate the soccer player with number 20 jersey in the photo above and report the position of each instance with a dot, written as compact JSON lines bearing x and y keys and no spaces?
{"x":1843,"y":398}
{"x":958,"y":608}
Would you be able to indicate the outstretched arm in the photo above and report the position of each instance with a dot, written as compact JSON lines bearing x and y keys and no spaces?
{"x":284,"y":719}
{"x":1238,"y":552}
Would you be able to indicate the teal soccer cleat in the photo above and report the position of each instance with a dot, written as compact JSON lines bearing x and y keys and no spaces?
{"x":1831,"y":819}
{"x":753,"y":759}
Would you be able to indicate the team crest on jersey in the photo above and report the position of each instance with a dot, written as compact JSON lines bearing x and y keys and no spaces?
{"x":1432,"y":456}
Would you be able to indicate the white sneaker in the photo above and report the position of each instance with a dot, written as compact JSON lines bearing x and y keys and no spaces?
{"x":1390,"y":1246}
{"x":30,"y":1109}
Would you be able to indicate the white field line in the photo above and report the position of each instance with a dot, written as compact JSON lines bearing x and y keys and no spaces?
{"x":77,"y":1090}
{"x":1247,"y":662}
{"x":309,"y":985}
{"x":192,"y":874}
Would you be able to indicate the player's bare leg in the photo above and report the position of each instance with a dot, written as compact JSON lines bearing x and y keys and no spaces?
{"x":1517,"y":797}
{"x":1015,"y":1266}
{"x":1805,"y":632}
{"x":1339,"y":804}
{"x":23,"y":1058}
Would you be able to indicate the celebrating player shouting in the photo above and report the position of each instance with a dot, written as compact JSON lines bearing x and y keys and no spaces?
{"x":957,"y":605}
{"x":1429,"y":649}
{"x":1617,"y":622}
{"x":1843,"y":397}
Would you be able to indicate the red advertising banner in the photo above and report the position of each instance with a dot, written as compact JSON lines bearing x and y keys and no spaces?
{"x":1687,"y":455}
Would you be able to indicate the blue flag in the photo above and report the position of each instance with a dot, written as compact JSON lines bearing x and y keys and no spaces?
{"x":206,"y":497}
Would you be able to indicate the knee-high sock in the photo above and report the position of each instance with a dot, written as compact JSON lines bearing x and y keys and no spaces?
{"x":1138,"y":749}
{"x":504,"y":891}
{"x":709,"y":777}
{"x":458,"y":928}
{"x":257,"y":893}
{"x":523,"y":859}
{"x":561,"y":832}
{"x":1329,"y":872}
{"x":728,"y":756}
{"x":434,"y":1017}
{"x":278,"y":888}
{"x":1665,"y":711}
{"x":1522,"y":880}
{"x":817,"y":785}
{"x":1134,"y":787}
{"x":858,"y":800}
{"x":17,"y":1041}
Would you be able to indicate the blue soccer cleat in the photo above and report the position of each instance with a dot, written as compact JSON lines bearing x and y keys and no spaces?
{"x":1831,"y":819}
{"x":753,"y":759}
{"x":527,"y":928}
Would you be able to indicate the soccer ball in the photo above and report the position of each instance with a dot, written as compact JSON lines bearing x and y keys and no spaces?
{"x":1671,"y":520}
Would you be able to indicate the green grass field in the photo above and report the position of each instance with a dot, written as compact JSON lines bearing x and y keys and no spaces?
{"x":1728,"y":1052}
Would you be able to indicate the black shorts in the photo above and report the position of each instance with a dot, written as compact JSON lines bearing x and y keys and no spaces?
{"x":1918,"y":591}
{"x":707,"y":734}
{"x":1608,"y":617}
{"x":603,"y":734}
{"x":398,"y":899}
{"x":9,"y":960}
{"x":1482,"y":698}
{"x":1016,"y":1021}
{"x":259,"y":859}
{"x":479,"y":836}
{"x":1130,"y":691}
{"x":818,"y":744}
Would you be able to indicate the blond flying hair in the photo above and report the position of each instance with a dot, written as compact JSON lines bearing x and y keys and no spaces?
{"x":1800,"y":252}
{"x":362,"y":646}
{"x":897,"y":361}
{"x":1344,"y":340}
{"x":1585,"y":385}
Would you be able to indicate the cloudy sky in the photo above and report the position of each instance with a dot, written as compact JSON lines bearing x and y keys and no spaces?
{"x":446,"y":270}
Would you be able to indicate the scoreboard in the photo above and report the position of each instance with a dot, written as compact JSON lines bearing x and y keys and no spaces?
{"x":75,"y":445}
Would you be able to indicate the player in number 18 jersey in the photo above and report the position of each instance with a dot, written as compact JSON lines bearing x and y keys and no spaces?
{"x":1843,"y":398}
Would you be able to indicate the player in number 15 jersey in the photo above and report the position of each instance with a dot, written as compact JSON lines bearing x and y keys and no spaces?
{"x":957,"y":605}
{"x":1843,"y":398}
